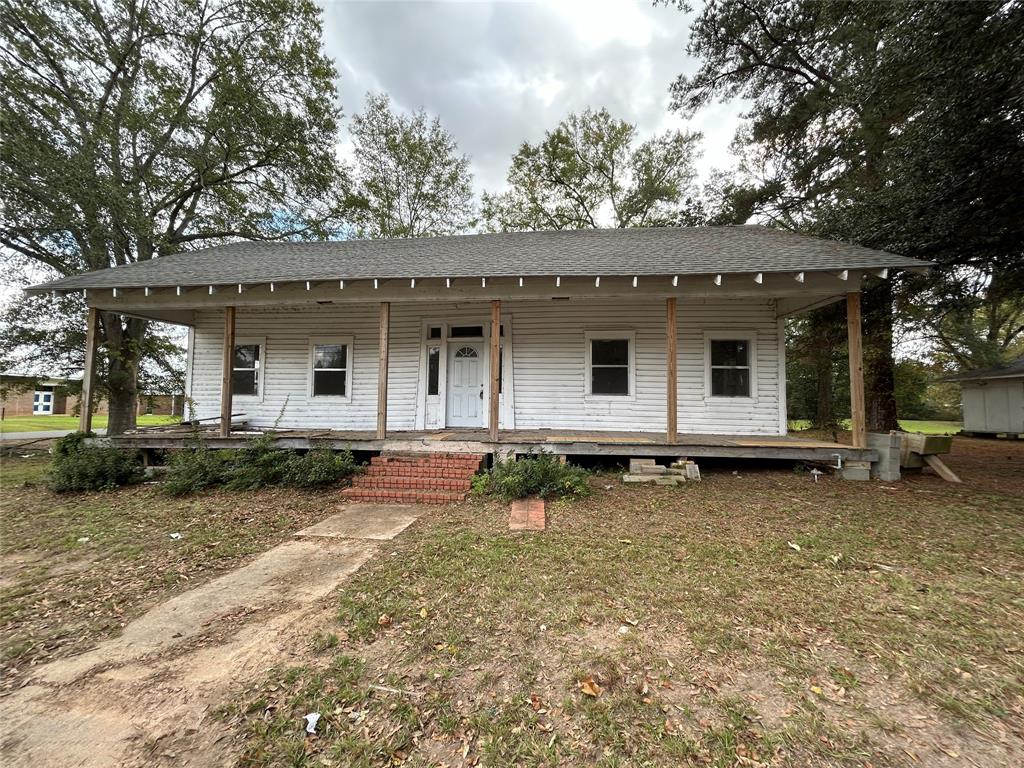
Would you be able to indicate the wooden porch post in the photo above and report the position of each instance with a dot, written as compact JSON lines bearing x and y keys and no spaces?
{"x":89,"y":373}
{"x":855,"y":346}
{"x":228,"y":368}
{"x":672,"y":384}
{"x":382,"y":371}
{"x":495,"y":360}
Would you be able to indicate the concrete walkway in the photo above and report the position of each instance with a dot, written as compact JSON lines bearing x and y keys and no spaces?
{"x":149,"y":696}
{"x":24,"y":437}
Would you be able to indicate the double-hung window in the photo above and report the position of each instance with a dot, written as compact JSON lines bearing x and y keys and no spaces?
{"x":610,"y":367}
{"x":730,"y":366}
{"x":247,"y":369}
{"x":331,"y":367}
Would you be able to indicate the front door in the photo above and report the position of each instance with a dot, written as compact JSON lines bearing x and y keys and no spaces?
{"x":465,"y":384}
{"x":42,"y":403}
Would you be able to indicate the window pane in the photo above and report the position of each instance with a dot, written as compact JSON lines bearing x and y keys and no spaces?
{"x":330,"y":356}
{"x":433,"y":369}
{"x":329,"y":383}
{"x":246,"y":355}
{"x":435,"y":332}
{"x":609,"y":352}
{"x":243,"y":382}
{"x":610,"y":381}
{"x":730,"y":382}
{"x":729,"y":352}
{"x":466,"y":331}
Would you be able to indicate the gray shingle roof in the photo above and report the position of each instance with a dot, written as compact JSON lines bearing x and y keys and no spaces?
{"x":1009,"y":371}
{"x":599,"y":252}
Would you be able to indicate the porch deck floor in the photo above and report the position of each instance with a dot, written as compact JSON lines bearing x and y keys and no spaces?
{"x":519,"y":441}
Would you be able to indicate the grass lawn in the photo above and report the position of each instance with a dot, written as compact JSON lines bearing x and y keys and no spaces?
{"x":752,"y":619}
{"x":48,"y":423}
{"x":76,"y":567}
{"x":907,"y":425}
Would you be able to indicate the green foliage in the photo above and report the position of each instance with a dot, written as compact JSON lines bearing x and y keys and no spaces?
{"x":410,"y":180}
{"x":318,"y":467}
{"x":257,"y":465}
{"x":896,"y":126}
{"x":588,"y":165}
{"x":540,"y":475}
{"x":195,"y":469}
{"x":194,"y":123}
{"x":78,"y":467}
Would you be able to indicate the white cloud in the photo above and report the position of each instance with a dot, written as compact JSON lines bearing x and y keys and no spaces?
{"x":500,"y":73}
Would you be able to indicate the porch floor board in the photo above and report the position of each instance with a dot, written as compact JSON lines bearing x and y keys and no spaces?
{"x":518,"y":441}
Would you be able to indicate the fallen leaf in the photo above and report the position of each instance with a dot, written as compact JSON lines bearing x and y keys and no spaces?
{"x":590,"y":687}
{"x":384,"y":620}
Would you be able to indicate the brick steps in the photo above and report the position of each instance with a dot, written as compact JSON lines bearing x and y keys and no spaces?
{"x":416,"y":478}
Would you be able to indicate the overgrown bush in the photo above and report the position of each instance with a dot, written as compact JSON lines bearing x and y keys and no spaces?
{"x":78,"y":467}
{"x":541,"y":475}
{"x":257,"y":465}
{"x":318,"y":467}
{"x":194,"y":469}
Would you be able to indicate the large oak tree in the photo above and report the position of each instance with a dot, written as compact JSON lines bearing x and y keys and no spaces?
{"x":132,"y":129}
{"x":893,"y":125}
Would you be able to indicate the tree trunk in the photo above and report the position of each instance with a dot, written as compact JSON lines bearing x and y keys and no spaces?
{"x":123,"y":345}
{"x":879,"y":365}
{"x":825,"y":417}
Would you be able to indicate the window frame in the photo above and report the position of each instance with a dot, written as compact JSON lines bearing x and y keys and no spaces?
{"x":609,"y":335}
{"x":261,"y":377}
{"x":314,"y":342}
{"x":750,"y":337}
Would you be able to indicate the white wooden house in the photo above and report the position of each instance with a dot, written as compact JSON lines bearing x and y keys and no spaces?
{"x":636,"y":341}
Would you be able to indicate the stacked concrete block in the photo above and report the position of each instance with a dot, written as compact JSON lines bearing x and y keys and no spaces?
{"x":649,"y":471}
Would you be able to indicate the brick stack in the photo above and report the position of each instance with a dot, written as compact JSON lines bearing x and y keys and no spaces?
{"x":416,"y":478}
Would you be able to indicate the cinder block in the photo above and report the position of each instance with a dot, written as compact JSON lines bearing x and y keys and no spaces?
{"x":637,"y":465}
{"x":653,"y":470}
{"x":692,"y":471}
{"x":669,"y":480}
{"x":857,"y":470}
{"x":640,"y":478}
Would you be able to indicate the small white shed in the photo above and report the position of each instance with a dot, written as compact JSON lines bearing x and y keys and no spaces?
{"x":993,"y":400}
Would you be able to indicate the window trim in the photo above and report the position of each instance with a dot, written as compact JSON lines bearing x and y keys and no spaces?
{"x":261,"y":342}
{"x":748,"y":336}
{"x":315,"y":341}
{"x":588,"y":378}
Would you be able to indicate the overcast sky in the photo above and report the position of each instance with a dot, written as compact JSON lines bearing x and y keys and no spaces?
{"x":498,"y":73}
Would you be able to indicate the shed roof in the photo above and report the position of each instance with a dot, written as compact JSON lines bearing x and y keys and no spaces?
{"x":602,"y":252}
{"x":1011,"y":370}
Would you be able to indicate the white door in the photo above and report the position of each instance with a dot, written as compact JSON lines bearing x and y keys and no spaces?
{"x":42,"y":403}
{"x":465,"y":384}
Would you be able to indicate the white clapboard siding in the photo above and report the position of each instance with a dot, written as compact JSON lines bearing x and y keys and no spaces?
{"x":549,"y":360}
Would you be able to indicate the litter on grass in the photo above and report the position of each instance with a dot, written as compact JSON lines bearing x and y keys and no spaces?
{"x":175,"y":535}
{"x":311,"y":720}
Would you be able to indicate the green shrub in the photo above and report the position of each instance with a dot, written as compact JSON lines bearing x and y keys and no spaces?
{"x":318,"y":467}
{"x":257,"y":465}
{"x":194,"y":469}
{"x":78,"y":467}
{"x":541,"y":475}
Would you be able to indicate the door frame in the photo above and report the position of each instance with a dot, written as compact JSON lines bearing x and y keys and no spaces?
{"x":506,"y":401}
